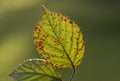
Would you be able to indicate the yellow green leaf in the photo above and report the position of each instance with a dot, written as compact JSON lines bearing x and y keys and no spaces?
{"x":35,"y":70}
{"x":59,"y":40}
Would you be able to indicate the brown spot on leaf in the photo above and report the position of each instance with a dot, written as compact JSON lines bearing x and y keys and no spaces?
{"x":46,"y":36}
{"x":40,"y":46}
{"x":70,"y":22}
{"x":81,"y":47}
{"x":65,"y":19}
{"x":34,"y":38}
{"x":63,"y":30}
{"x":55,"y":43}
{"x":71,"y":38}
{"x":58,"y":14}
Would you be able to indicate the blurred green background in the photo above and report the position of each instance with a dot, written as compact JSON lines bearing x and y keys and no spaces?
{"x":100,"y":23}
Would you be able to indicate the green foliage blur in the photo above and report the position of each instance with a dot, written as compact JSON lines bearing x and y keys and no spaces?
{"x":100,"y":23}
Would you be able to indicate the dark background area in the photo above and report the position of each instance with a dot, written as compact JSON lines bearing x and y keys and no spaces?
{"x":98,"y":19}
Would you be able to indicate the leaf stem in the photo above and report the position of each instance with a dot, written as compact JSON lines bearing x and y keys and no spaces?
{"x":73,"y":74}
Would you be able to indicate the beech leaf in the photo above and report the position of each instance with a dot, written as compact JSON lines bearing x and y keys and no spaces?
{"x":35,"y":70}
{"x":59,"y":40}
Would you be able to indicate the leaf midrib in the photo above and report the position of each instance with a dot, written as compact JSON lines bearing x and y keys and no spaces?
{"x":60,"y":42}
{"x":36,"y":73}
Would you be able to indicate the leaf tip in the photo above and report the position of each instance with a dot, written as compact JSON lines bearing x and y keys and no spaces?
{"x":43,"y":7}
{"x":11,"y":74}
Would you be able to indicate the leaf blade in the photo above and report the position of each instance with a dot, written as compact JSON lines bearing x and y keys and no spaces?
{"x":35,"y":70}
{"x":59,"y":40}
